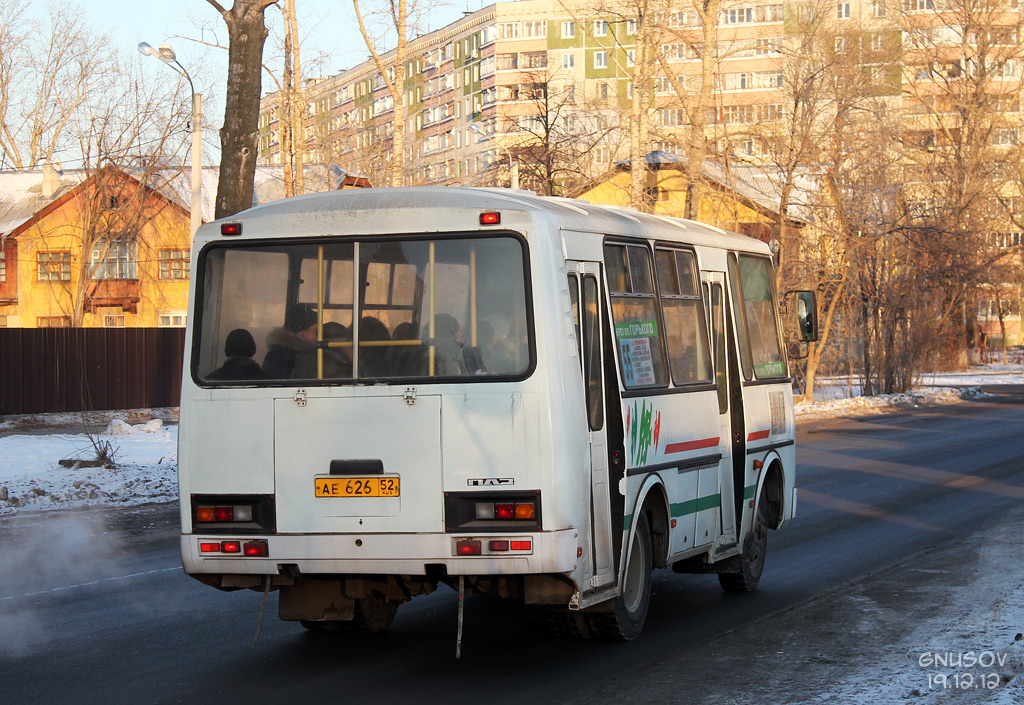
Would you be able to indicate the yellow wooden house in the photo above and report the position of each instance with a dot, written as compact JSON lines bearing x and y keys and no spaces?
{"x":741,"y":198}
{"x":107,"y":248}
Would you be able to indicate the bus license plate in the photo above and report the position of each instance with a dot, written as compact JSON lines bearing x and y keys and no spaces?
{"x":357,"y":487}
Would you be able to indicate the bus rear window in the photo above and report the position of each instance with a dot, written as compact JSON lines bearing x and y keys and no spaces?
{"x":344,"y":311}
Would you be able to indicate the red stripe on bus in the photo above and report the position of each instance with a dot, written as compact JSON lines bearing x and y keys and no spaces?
{"x":691,"y":445}
{"x":758,"y":435}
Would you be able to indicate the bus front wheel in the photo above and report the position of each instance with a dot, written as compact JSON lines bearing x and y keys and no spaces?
{"x":626,"y":621}
{"x":752,"y":559}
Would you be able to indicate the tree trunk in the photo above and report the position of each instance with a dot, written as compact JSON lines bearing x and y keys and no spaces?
{"x":247,"y":32}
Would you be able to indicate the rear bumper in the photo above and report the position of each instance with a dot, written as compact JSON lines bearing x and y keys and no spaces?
{"x":384,"y":554}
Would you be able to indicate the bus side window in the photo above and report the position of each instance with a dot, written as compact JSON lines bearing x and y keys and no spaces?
{"x":718,"y":330}
{"x":757,"y":290}
{"x":574,"y":304}
{"x":739,"y":318}
{"x":592,"y":352}
{"x":685,"y":329}
{"x":637,"y":327}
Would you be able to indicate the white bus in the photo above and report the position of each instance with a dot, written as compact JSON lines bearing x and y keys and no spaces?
{"x":533,"y":398}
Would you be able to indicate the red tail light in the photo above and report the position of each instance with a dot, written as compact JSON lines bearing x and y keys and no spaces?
{"x":257,"y":549}
{"x":521,"y":545}
{"x":504,"y":511}
{"x":230,"y":547}
{"x":468,"y":548}
{"x":224,"y":513}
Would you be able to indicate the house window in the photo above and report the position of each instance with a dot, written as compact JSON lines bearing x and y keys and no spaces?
{"x":630,"y":27}
{"x":3,"y":265}
{"x":53,"y":322}
{"x":116,"y":321}
{"x":600,"y":59}
{"x":568,"y":61}
{"x":878,"y":8}
{"x":601,"y":155}
{"x":630,"y":57}
{"x":603,"y":90}
{"x":171,"y":319}
{"x":536,"y":28}
{"x":600,"y":28}
{"x":174,"y":264}
{"x":53,"y":266}
{"x":568,"y":29}
{"x":114,"y":260}
{"x":842,"y":11}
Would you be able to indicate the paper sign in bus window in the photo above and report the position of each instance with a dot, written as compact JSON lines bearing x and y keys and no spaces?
{"x":635,"y":350}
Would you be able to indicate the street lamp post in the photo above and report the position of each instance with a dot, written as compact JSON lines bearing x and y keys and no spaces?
{"x":166,"y":55}
{"x":513,"y":165}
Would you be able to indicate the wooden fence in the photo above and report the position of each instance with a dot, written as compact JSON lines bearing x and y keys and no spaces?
{"x":78,"y":369}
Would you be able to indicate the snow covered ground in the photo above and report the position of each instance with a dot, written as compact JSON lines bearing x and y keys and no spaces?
{"x":32,"y":478}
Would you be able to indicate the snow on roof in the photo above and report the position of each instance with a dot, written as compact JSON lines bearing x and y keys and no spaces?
{"x":21,"y":191}
{"x":759,"y":185}
{"x":21,"y":195}
{"x":268,"y":185}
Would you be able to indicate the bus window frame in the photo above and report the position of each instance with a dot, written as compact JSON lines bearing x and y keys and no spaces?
{"x":698,"y":296}
{"x":737,"y":301}
{"x":648,"y":245}
{"x":202,"y":262}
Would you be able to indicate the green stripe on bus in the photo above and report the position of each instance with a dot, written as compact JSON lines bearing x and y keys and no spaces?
{"x":626,"y":521}
{"x":696,"y":505}
{"x":748,"y":491}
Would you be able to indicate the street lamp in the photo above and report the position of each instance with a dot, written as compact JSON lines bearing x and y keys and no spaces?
{"x":166,"y":55}
{"x":513,"y":165}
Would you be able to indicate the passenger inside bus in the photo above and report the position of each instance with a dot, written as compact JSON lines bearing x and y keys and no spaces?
{"x":239,"y":349}
{"x":448,"y":357}
{"x":285,"y":343}
{"x":337,"y":361}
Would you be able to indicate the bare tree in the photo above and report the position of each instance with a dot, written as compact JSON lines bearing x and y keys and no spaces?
{"x":400,"y":20}
{"x":239,"y":136}
{"x":48,"y":69}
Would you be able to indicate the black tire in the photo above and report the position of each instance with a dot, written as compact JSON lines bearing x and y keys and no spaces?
{"x":626,"y":621}
{"x":372,"y":614}
{"x":568,"y":624}
{"x":752,"y":557}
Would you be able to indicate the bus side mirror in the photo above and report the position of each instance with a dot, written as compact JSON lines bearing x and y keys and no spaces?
{"x":806,"y":316}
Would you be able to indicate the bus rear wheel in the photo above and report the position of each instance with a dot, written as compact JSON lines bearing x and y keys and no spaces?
{"x":627,"y":619}
{"x":752,"y":558}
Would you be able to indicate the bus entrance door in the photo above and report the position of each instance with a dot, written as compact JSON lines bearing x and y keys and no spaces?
{"x":714,"y":292}
{"x":588,"y":326}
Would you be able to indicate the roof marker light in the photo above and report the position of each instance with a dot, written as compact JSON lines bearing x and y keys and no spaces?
{"x":230,"y":229}
{"x":490,"y":219}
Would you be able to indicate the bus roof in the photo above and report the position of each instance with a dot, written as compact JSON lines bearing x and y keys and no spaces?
{"x":380,"y":210}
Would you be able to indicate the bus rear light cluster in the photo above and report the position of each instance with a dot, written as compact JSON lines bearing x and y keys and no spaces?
{"x":506,"y":511}
{"x":255,"y":549}
{"x":206,"y":514}
{"x":475,"y":547}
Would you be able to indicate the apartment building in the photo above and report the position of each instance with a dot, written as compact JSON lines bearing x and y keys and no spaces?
{"x":499,"y":81}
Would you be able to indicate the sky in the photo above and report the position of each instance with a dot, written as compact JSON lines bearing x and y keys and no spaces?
{"x":330,"y":41}
{"x":326,"y":26}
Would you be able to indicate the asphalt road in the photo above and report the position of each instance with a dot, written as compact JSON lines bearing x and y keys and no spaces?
{"x":94,"y":608}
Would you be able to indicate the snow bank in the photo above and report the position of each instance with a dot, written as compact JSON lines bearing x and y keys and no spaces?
{"x":145,"y":467}
{"x":884,"y":403}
